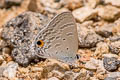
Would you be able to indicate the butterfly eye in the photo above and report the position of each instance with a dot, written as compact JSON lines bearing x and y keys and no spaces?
{"x":40,"y":43}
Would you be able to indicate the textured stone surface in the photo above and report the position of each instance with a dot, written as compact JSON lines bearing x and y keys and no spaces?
{"x":111,"y":64}
{"x":115,"y":47}
{"x":10,"y":70}
{"x":87,"y":37}
{"x":108,"y":12}
{"x":19,"y":34}
{"x":104,"y":31}
{"x":84,"y":13}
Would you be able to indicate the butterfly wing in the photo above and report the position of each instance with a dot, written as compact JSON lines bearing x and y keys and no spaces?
{"x":60,"y":39}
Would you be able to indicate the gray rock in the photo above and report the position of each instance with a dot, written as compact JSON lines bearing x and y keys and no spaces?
{"x":19,"y":34}
{"x":105,"y":30}
{"x":111,"y":64}
{"x":114,"y":38}
{"x":87,"y":37}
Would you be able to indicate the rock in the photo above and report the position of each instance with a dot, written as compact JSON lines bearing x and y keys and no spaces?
{"x":53,"y":78}
{"x":114,"y":38}
{"x":1,"y":59}
{"x":72,"y":4}
{"x":10,"y":70}
{"x":53,"y":69}
{"x":112,"y":12}
{"x":109,"y":78}
{"x":110,"y":55}
{"x":90,"y":65}
{"x":82,"y":75}
{"x":19,"y":34}
{"x":10,"y":3}
{"x":101,"y":49}
{"x":35,"y":6}
{"x":92,"y":3}
{"x":114,"y":75}
{"x":94,"y":78}
{"x":35,"y":69}
{"x":87,"y":37}
{"x":108,"y":30}
{"x":97,"y":65}
{"x":84,"y":13}
{"x":2,"y":68}
{"x":105,"y":30}
{"x":69,"y":75}
{"x":115,"y":47}
{"x":116,"y":28}
{"x":24,"y":70}
{"x":2,"y":43}
{"x":50,"y":4}
{"x":113,"y":2}
{"x":111,"y":64}
{"x":6,"y":50}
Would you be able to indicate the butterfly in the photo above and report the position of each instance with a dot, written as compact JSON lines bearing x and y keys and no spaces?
{"x":58,"y":40}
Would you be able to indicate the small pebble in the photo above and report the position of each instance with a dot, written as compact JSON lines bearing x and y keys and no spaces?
{"x":90,"y":65}
{"x":115,"y":47}
{"x":109,"y":55}
{"x":2,"y":43}
{"x":111,"y":64}
{"x":69,"y":75}
{"x":6,"y":50}
{"x":1,"y":59}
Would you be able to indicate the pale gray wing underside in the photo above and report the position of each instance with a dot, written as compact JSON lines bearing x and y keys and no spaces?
{"x":60,"y":38}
